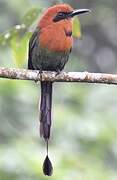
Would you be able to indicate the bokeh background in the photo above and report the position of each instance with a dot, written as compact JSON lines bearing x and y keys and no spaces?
{"x":83,"y":143}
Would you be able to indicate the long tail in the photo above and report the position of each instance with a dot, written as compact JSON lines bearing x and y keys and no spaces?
{"x":45,"y":109}
{"x":45,"y":121}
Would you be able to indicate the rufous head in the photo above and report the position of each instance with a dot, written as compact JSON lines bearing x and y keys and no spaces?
{"x":58,"y":13}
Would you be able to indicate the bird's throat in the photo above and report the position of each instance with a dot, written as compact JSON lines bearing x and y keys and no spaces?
{"x":68,"y":33}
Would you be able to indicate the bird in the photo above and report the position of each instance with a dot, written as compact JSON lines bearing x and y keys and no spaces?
{"x":49,"y":49}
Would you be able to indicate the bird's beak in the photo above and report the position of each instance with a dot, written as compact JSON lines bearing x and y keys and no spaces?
{"x":65,"y":15}
{"x":78,"y":12}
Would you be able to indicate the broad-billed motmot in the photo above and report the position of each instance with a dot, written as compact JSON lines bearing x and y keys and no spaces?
{"x":49,"y":49}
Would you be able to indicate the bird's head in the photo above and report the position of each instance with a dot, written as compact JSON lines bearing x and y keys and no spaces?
{"x":59,"y":13}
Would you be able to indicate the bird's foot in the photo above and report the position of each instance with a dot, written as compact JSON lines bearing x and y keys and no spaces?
{"x":39,"y":74}
{"x":57,"y":72}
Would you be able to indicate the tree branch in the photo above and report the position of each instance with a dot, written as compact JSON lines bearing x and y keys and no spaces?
{"x":33,"y":75}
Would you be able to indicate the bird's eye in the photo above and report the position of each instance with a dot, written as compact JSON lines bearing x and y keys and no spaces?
{"x":61,"y":14}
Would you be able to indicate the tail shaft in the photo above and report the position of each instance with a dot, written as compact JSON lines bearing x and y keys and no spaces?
{"x":45,"y":109}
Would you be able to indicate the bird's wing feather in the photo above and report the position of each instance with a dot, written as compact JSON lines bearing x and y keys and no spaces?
{"x":32,"y":44}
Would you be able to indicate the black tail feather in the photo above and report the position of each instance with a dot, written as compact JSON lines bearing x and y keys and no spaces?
{"x":45,"y":109}
{"x":47,"y":167}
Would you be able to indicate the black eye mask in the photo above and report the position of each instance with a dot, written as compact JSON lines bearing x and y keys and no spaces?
{"x":61,"y":15}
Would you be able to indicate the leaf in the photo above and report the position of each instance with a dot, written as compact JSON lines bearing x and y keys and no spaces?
{"x":31,"y":16}
{"x":18,"y":36}
{"x":76,"y":28}
{"x":19,"y":43}
{"x":27,"y":21}
{"x":7,"y":36}
{"x":19,"y":49}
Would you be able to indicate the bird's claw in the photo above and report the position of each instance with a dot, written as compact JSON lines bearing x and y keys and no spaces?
{"x":39,"y":74}
{"x":57,"y":72}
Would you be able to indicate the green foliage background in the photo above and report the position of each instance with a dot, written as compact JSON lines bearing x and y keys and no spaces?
{"x":83,"y":143}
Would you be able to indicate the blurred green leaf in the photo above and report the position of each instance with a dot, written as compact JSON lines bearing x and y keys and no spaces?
{"x":20,"y":48}
{"x":31,"y":16}
{"x":7,"y":36}
{"x":26,"y":22}
{"x":18,"y":37}
{"x":76,"y":28}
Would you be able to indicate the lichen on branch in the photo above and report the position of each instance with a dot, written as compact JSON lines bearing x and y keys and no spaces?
{"x":34,"y":75}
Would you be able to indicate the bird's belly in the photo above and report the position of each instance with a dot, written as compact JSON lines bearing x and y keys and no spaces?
{"x":50,"y":61}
